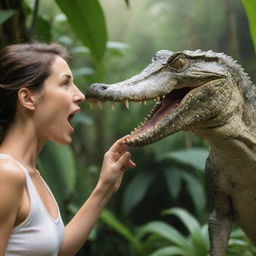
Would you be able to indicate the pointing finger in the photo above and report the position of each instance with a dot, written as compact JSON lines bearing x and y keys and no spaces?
{"x":119,"y":145}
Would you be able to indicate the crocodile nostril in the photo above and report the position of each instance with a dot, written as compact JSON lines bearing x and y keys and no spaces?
{"x":103,"y":87}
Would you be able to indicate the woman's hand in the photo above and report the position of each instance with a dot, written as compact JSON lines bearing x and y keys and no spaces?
{"x":116,"y":160}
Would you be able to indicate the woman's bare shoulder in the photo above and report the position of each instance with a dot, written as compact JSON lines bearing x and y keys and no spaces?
{"x":10,"y":171}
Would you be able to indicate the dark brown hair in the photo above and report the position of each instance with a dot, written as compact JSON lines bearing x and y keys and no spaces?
{"x":23,"y":65}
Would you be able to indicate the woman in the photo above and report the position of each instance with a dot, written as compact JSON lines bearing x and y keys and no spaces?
{"x":37,"y":100}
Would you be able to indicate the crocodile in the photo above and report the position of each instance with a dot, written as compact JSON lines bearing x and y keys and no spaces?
{"x":211,"y":95}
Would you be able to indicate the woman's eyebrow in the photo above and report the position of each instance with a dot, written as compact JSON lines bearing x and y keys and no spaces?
{"x":66,"y":76}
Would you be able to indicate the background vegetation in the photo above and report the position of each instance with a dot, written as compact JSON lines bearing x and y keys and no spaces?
{"x":110,"y":41}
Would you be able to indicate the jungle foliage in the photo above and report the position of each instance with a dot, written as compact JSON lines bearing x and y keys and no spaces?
{"x":110,"y":41}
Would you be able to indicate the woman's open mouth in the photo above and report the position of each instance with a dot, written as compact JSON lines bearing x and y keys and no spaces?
{"x":71,"y":117}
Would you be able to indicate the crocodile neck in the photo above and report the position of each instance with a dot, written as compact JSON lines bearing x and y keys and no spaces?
{"x":235,"y":140}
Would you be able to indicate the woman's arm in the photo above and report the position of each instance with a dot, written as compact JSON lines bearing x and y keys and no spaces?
{"x":12,"y":182}
{"x":116,"y":161}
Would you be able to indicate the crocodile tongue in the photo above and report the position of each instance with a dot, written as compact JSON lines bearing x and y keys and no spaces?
{"x":161,"y":110}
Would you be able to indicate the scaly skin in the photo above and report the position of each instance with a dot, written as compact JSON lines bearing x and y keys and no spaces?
{"x":210,"y":95}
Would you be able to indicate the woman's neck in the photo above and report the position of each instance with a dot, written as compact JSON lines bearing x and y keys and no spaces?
{"x":22,"y":143}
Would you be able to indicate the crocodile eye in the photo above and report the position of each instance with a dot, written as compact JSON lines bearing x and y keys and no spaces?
{"x":178,"y":63}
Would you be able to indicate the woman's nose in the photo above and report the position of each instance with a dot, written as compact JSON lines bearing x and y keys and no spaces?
{"x":79,"y":96}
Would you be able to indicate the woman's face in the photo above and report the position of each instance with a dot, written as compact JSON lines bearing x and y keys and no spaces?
{"x":58,"y":101}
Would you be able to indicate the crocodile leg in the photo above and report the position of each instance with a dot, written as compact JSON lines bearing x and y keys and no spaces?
{"x":219,"y":231}
{"x":220,"y":219}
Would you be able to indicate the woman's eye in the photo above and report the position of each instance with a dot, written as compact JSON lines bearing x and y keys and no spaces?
{"x":178,"y":64}
{"x":66,"y":83}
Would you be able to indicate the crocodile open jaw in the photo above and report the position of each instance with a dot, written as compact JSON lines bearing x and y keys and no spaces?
{"x":165,"y":106}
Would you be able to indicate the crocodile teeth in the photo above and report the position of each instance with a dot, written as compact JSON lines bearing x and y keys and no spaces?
{"x":127,"y":140}
{"x":134,"y":130}
{"x":126,"y":103}
{"x":140,"y":137}
{"x":100,"y":105}
{"x":93,"y":103}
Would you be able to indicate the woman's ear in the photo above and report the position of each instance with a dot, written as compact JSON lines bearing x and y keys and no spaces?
{"x":27,"y":98}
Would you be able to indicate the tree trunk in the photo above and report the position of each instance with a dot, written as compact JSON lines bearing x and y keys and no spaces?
{"x":14,"y":29}
{"x":232,"y":40}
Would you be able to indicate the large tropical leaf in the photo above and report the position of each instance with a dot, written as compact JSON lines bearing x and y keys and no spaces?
{"x":196,"y":191}
{"x":87,"y":21}
{"x":189,"y":221}
{"x":196,"y":232}
{"x":250,"y":8}
{"x":165,"y":231}
{"x":136,"y":191}
{"x":5,"y":15}
{"x":119,"y":227}
{"x":195,"y":157}
{"x":43,"y":30}
{"x":239,"y":244}
{"x":173,"y":179}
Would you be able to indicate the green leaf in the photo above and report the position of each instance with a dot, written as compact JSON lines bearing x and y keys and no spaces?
{"x":193,"y":157}
{"x":43,"y":30}
{"x":87,"y":21}
{"x":173,"y":180}
{"x":113,"y":222}
{"x":195,"y":190}
{"x":250,"y":8}
{"x":188,"y":220}
{"x":168,"y":251}
{"x":195,"y":231}
{"x":238,"y":233}
{"x":205,"y":236}
{"x":140,"y":184}
{"x":193,"y":186}
{"x":165,"y":231}
{"x":6,"y":14}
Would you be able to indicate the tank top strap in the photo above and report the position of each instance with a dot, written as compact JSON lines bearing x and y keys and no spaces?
{"x":24,"y":169}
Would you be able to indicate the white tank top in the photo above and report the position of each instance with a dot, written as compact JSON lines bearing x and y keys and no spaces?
{"x":39,"y":234}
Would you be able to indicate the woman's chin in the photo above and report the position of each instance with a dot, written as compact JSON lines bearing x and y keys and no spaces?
{"x":65,"y":140}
